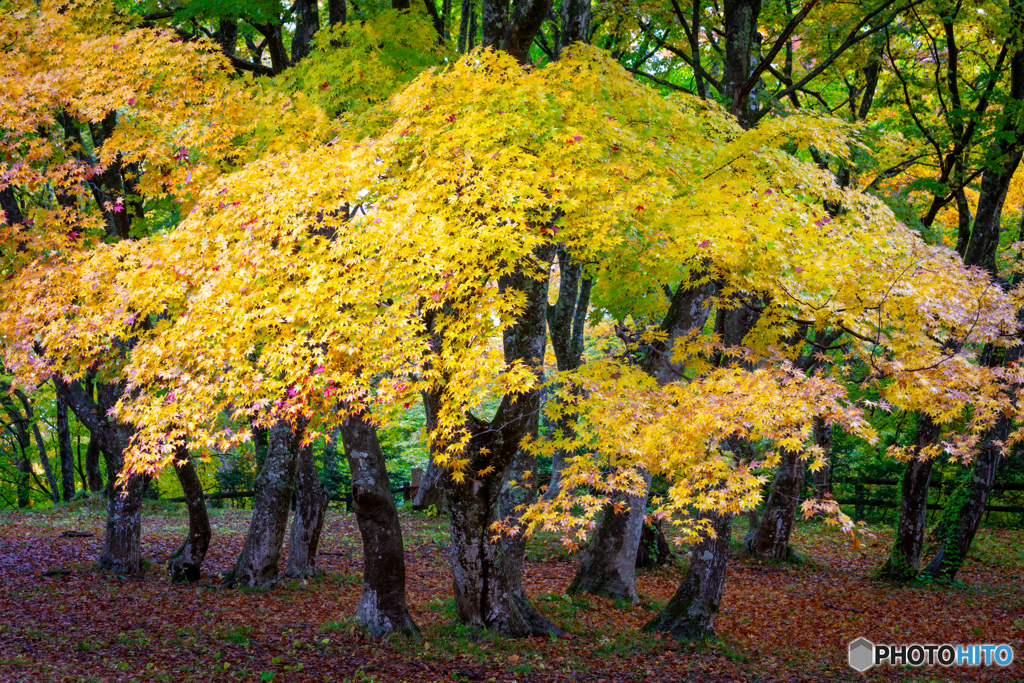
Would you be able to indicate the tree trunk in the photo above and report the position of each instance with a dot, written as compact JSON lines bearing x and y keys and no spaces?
{"x":905,"y":561}
{"x":227,"y":36}
{"x":258,"y":563}
{"x":431,"y":490}
{"x":185,"y":563}
{"x":690,"y":614}
{"x":467,"y":27}
{"x":1006,"y":157}
{"x":307,"y":23}
{"x":67,"y":456}
{"x":963,"y":511}
{"x":44,"y":460}
{"x":382,"y":606}
{"x":823,"y":477}
{"x":93,"y":472}
{"x":575,"y":15}
{"x":566,"y":320}
{"x":487,"y":575}
{"x":309,"y":518}
{"x":23,"y":468}
{"x":487,"y":581}
{"x":337,"y":11}
{"x":608,"y":565}
{"x":771,"y":540}
{"x":741,"y":18}
{"x":122,"y":544}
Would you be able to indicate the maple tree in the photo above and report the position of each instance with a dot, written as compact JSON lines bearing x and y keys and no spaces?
{"x":341,"y":242}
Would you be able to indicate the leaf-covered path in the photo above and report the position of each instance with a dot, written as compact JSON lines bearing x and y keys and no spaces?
{"x":778,"y":623}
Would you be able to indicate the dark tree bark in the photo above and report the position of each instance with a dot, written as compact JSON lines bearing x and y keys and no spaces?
{"x":23,"y":468}
{"x":905,"y":561}
{"x":575,"y":15}
{"x":741,"y":18}
{"x":227,"y":36}
{"x":962,"y":516}
{"x":566,"y":320}
{"x":186,"y":562}
{"x":93,"y":471}
{"x":513,"y":31}
{"x":337,"y":11}
{"x":487,"y":581}
{"x":307,"y":23}
{"x":771,"y":540}
{"x":964,"y":509}
{"x":690,"y":614}
{"x":654,"y":549}
{"x":311,"y":506}
{"x":67,"y":456}
{"x":432,"y":486}
{"x":23,"y":438}
{"x":9,"y":205}
{"x":995,"y":181}
{"x":258,"y":564}
{"x":608,"y":565}
{"x":467,"y":26}
{"x":122,"y":543}
{"x":382,"y":606}
{"x":275,"y":45}
{"x":823,"y":477}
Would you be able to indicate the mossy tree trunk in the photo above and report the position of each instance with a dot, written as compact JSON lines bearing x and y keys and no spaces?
{"x":904,"y":562}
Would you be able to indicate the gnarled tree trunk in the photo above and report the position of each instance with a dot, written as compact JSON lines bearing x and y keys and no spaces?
{"x":382,"y":606}
{"x":487,"y":579}
{"x":258,"y":564}
{"x":691,"y":613}
{"x":608,"y":565}
{"x":311,"y":506}
{"x":122,"y":542}
{"x":186,"y":562}
{"x":771,"y":540}
{"x":905,"y":561}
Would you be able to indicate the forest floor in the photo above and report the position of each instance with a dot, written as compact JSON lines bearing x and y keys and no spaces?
{"x":778,"y":622}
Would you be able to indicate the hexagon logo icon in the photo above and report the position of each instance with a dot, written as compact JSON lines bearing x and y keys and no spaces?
{"x":862,"y":654}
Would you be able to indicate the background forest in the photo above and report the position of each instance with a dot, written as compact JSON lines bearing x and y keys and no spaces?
{"x":624,"y":323}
